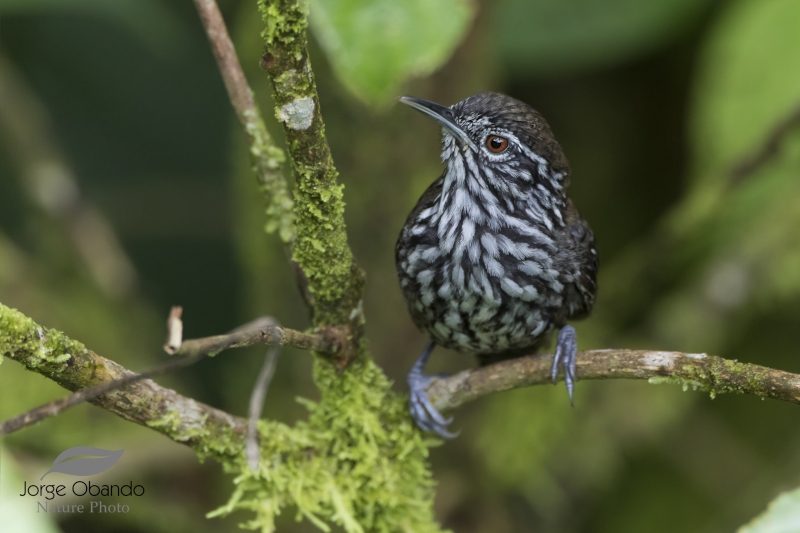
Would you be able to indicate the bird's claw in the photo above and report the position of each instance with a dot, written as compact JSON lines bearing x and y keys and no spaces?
{"x":427,"y":417}
{"x":423,"y":412}
{"x":566,"y":358}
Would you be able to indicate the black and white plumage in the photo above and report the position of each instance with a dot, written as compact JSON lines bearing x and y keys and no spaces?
{"x":495,"y":257}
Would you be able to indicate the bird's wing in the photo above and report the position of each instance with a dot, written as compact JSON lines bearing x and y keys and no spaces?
{"x":580,"y":250}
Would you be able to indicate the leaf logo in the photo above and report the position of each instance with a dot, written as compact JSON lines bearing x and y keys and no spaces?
{"x":84,"y":461}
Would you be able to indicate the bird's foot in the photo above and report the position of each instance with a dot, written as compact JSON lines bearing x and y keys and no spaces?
{"x":427,"y":417}
{"x":566,"y":358}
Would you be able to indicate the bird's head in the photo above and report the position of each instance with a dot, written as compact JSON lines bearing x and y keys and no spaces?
{"x":500,"y":134}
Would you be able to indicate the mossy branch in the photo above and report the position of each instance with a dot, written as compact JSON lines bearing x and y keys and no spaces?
{"x":128,"y":394}
{"x":321,"y":249}
{"x":699,"y":371}
{"x":209,"y":431}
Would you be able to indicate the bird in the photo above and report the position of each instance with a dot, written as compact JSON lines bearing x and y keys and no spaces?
{"x":494,"y":257}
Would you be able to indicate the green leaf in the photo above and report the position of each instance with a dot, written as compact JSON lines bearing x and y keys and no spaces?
{"x":782,"y":516}
{"x":153,"y":22}
{"x":558,"y":37}
{"x":376,"y":45}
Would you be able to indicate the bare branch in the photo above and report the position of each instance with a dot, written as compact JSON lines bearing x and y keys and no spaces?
{"x":267,"y":157}
{"x":257,"y":396}
{"x":706,"y":372}
{"x":327,"y":342}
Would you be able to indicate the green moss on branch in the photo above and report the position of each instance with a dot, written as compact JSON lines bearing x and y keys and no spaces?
{"x":69,"y":363}
{"x":358,"y":462}
{"x":321,"y":249}
{"x":45,"y":351}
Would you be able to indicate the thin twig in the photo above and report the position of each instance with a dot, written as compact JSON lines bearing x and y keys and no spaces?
{"x":325,"y":342}
{"x":267,"y":157}
{"x":706,"y":372}
{"x":257,"y":397}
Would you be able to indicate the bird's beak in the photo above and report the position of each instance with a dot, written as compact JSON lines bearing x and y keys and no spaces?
{"x":443,"y":115}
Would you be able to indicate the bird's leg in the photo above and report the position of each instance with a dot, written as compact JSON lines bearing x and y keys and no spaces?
{"x":566,"y":357}
{"x":422,"y":410}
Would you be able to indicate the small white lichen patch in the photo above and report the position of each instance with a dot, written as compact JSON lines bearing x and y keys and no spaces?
{"x":297,"y":114}
{"x":666,"y":359}
{"x":696,"y":355}
{"x":357,"y":311}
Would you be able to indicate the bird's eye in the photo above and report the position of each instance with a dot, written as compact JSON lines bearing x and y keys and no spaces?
{"x":496,"y":144}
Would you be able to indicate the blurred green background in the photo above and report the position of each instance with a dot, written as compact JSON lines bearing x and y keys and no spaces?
{"x":125,"y":188}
